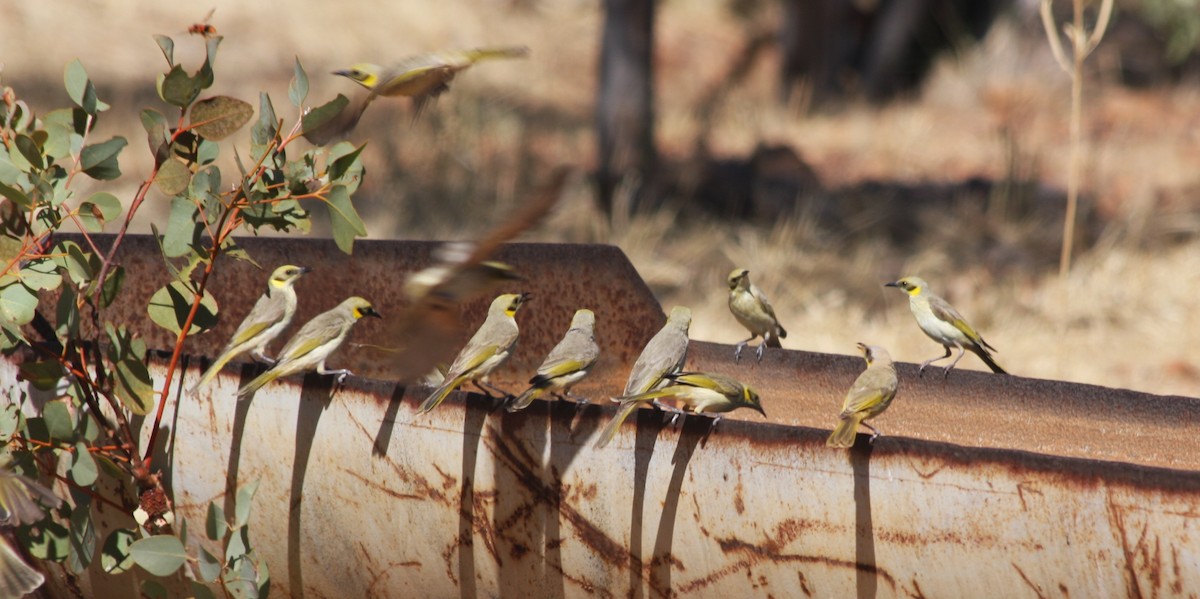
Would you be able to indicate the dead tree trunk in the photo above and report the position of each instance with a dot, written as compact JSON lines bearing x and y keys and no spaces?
{"x":625,"y":106}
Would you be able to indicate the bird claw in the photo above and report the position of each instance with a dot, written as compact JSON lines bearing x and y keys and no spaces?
{"x":760,"y":350}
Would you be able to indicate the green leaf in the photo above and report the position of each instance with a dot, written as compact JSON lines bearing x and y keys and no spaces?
{"x":81,"y":89}
{"x":313,"y":119}
{"x":215,"y":525}
{"x":83,"y":467}
{"x":219,"y":117}
{"x":99,"y":161}
{"x":160,"y":555}
{"x":170,"y":305}
{"x":82,"y":533}
{"x":173,"y":177}
{"x":82,"y":266}
{"x":59,"y":422}
{"x":153,"y":589}
{"x":155,"y":125}
{"x":135,"y":388}
{"x":114,"y":554}
{"x":298,"y":88}
{"x":345,"y":220}
{"x":41,"y":274}
{"x":17,"y":303}
{"x":167,"y":45}
{"x":199,"y":591}
{"x":245,"y":496}
{"x":265,"y":128}
{"x":30,"y":151}
{"x":112,"y":285}
{"x":43,"y":375}
{"x":231,"y":249}
{"x":67,"y":313}
{"x":98,"y":209}
{"x":238,"y":546}
{"x":48,"y":541}
{"x":207,"y":151}
{"x":10,"y":419}
{"x":177,"y":88}
{"x":345,"y":161}
{"x":16,"y":195}
{"x":204,"y":77}
{"x":183,"y":229}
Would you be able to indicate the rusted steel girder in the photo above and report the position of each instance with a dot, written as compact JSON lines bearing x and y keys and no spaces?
{"x":983,"y":484}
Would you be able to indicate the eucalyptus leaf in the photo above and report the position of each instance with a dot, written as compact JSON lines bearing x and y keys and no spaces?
{"x":83,"y":467}
{"x":245,"y":496}
{"x":169,"y":307}
{"x":167,"y":45}
{"x":114,"y":554}
{"x":177,"y":88}
{"x":209,"y":565}
{"x":215,"y":525}
{"x":153,"y":589}
{"x":173,"y":177}
{"x":81,"y":89}
{"x":315,"y":118}
{"x":160,"y":555}
{"x":17,"y":303}
{"x":99,"y":161}
{"x":345,"y":220}
{"x":298,"y":88}
{"x":219,"y":117}
{"x":183,"y":229}
{"x":43,"y":374}
{"x":112,"y":285}
{"x":30,"y":151}
{"x":82,"y":534}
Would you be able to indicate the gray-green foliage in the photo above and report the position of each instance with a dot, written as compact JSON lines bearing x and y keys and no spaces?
{"x":54,"y":292}
{"x":1179,"y":23}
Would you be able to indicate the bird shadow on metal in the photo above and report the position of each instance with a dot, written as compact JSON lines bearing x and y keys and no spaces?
{"x":866,"y":582}
{"x":475,"y":414}
{"x":383,"y":439}
{"x":649,"y":424}
{"x":241,"y":410}
{"x":695,"y":428}
{"x":565,"y":447}
{"x":315,"y":394}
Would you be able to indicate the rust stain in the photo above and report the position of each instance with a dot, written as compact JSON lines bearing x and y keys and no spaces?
{"x":1037,"y":589}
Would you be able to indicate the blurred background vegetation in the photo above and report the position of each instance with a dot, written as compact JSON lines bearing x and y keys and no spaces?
{"x":826,"y":146}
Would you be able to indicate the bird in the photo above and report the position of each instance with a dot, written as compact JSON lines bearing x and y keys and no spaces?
{"x":488,"y":348}
{"x":314,"y":343}
{"x":944,"y":324}
{"x":23,"y":501}
{"x":425,"y":76}
{"x":750,"y":307}
{"x":663,"y":354}
{"x":871,"y":394}
{"x":569,"y":361}
{"x":699,"y":392}
{"x":268,"y":318}
{"x":428,"y":328}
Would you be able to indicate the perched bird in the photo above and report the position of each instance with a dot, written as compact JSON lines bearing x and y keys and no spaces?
{"x":663,"y":354}
{"x":699,"y":392}
{"x":314,"y":343}
{"x":870,"y":395}
{"x":488,"y":348}
{"x":428,"y":328}
{"x":944,"y":324}
{"x":268,"y":318}
{"x":569,"y":361}
{"x":425,"y":76}
{"x":750,"y":307}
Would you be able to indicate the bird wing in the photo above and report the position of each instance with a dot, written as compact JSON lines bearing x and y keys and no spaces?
{"x":317,"y":332}
{"x":945,"y":312}
{"x":871,"y":388}
{"x":265,"y":313}
{"x":575,"y":352}
{"x":762,"y":300}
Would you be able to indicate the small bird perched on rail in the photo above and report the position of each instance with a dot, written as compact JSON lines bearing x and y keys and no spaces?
{"x":944,"y":324}
{"x":699,"y":392}
{"x":314,"y":343}
{"x":425,"y":76}
{"x":488,"y":349}
{"x":871,"y":394}
{"x":569,"y":361}
{"x":268,"y":318}
{"x":750,"y":307}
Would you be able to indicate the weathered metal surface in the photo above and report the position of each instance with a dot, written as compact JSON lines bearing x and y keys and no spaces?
{"x":983,"y":484}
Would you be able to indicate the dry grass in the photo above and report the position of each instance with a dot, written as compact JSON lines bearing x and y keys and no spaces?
{"x":1126,"y":316}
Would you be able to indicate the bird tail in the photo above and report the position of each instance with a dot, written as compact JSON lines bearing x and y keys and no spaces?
{"x":610,"y":430}
{"x":504,"y":52}
{"x":844,"y":434}
{"x":988,"y":359}
{"x":772,"y":340}
{"x":437,"y":397}
{"x":260,"y":380}
{"x":781,"y":331}
{"x":212,"y":371}
{"x":527,"y":398}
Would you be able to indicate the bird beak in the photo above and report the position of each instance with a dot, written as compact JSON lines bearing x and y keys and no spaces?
{"x":761,"y":410}
{"x":305,"y":270}
{"x":892,"y":284}
{"x":372,"y":312}
{"x":526,"y":297}
{"x":342,"y":72}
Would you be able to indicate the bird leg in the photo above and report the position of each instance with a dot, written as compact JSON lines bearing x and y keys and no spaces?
{"x":488,"y":390}
{"x":737,"y":353}
{"x":921,"y":370}
{"x":580,"y":401}
{"x":760,"y":348}
{"x":341,"y":373}
{"x":874,"y":433}
{"x":961,"y":351}
{"x":674,"y":411}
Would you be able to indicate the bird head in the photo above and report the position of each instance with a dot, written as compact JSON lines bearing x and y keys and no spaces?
{"x":874,"y":354}
{"x":364,"y":74}
{"x":360,"y":307}
{"x":910,"y":285}
{"x":680,"y":316}
{"x":751,"y":400}
{"x":285,"y":276}
{"x":508,"y":303}
{"x":583,"y":319}
{"x":739,"y":277}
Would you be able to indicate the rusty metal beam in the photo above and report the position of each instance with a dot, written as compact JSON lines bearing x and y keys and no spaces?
{"x":982,"y":484}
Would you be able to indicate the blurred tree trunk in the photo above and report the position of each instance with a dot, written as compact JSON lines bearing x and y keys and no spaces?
{"x":817,"y":40}
{"x":625,"y":106}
